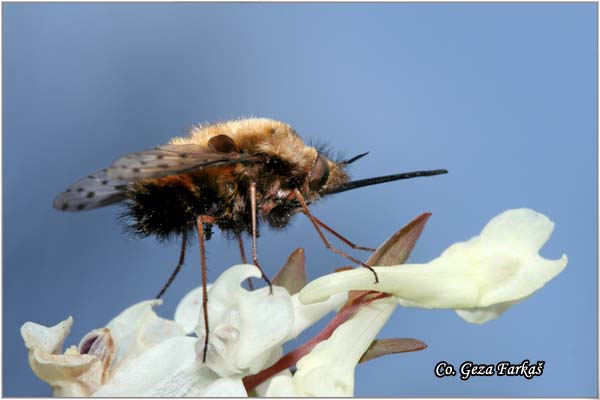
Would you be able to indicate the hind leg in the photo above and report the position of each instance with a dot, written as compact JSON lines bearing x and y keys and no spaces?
{"x":177,"y":268}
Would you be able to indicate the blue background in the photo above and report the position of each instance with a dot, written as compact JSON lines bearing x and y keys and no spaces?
{"x":502,"y":95}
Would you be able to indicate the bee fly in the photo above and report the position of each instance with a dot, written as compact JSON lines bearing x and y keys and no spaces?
{"x":225,"y":174}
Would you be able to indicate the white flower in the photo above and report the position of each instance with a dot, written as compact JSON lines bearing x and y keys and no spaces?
{"x":69,"y":374}
{"x":82,"y":371}
{"x":137,"y":354}
{"x":137,"y":329}
{"x":480,"y":278}
{"x":141,"y":354}
{"x":328,"y":370}
{"x":170,"y":369}
{"x":247,"y":328}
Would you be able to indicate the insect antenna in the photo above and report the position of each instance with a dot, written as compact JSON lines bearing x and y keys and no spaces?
{"x":381,"y":179}
{"x":350,"y":161}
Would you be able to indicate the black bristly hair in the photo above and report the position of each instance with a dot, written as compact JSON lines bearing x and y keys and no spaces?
{"x":323,"y":147}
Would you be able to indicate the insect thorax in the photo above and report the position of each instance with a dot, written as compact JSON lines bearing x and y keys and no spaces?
{"x":167,"y":207}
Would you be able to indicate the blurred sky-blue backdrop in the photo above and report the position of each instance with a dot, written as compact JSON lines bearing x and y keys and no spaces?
{"x":502,"y":95}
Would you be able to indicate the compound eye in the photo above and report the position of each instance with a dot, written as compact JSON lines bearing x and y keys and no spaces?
{"x":319,"y":173}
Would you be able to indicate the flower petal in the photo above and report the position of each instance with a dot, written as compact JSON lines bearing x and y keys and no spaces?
{"x":482,"y":276}
{"x":226,"y":387}
{"x":282,"y":386}
{"x":188,"y":309}
{"x":520,"y":227}
{"x":137,"y":329}
{"x":169,"y":369}
{"x":307,"y":314}
{"x":100,"y":344}
{"x":408,"y":281}
{"x":70,"y":375}
{"x":328,"y":370}
{"x":49,"y":340}
{"x":266,"y":388}
{"x":484,"y":314}
{"x":506,"y":254}
{"x":245,"y":327}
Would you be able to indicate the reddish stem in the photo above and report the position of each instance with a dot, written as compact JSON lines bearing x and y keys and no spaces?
{"x":290,"y":359}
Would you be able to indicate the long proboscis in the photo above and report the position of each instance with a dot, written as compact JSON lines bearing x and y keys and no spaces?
{"x":382,"y":179}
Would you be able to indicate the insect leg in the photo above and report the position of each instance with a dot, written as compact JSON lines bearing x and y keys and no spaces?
{"x":343,"y":239}
{"x":244,"y":259}
{"x":254,"y":256}
{"x":200,"y":223}
{"x":326,"y":242}
{"x":178,"y":267}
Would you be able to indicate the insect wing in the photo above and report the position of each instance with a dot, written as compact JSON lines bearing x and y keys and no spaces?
{"x":93,"y":191}
{"x":170,"y":159}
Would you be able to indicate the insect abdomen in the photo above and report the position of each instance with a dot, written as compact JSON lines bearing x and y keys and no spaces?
{"x":165,"y":208}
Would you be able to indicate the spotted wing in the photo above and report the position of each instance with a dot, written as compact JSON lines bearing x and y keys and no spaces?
{"x":171,"y":159}
{"x":93,"y":191}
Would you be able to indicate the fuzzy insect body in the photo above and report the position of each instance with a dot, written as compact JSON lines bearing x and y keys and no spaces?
{"x":230,"y":174}
{"x":209,"y":173}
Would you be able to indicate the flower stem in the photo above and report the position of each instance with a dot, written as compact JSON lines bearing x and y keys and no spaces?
{"x":290,"y":359}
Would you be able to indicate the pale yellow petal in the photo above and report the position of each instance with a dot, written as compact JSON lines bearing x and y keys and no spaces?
{"x":69,"y":375}
{"x":482,"y":277}
{"x":328,"y":370}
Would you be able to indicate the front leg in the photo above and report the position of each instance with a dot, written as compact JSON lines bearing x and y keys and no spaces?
{"x":325,"y":241}
{"x":342,"y":238}
{"x":200,"y":221}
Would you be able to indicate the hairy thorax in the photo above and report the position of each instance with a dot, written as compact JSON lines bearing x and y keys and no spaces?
{"x":170,"y":205}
